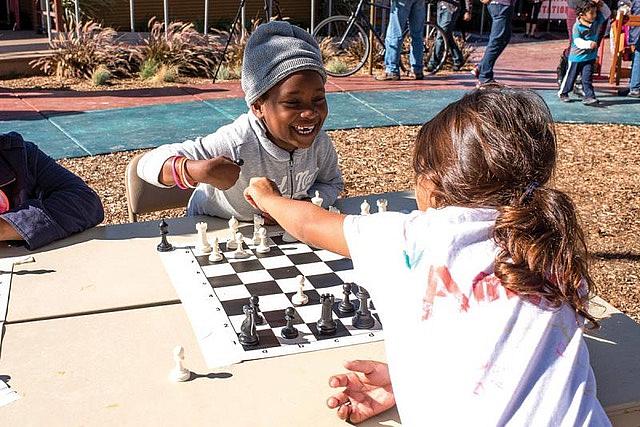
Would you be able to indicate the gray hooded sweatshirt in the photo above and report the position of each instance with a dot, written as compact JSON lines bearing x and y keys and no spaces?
{"x":298,"y":174}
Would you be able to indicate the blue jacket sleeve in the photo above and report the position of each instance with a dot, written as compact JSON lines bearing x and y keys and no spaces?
{"x":59,"y":203}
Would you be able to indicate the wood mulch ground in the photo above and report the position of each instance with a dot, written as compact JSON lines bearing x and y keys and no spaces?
{"x":599,"y":167}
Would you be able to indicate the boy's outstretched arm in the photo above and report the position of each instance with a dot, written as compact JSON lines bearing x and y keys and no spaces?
{"x":303,"y":220}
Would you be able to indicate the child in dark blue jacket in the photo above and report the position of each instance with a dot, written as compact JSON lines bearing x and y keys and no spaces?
{"x":40,"y":201}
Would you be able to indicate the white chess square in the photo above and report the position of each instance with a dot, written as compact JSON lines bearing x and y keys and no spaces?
{"x":255,"y":276}
{"x":295,"y":248}
{"x":309,"y":313}
{"x":292,"y":284}
{"x":276,"y":261}
{"x":314,"y":268}
{"x":348,"y":276}
{"x":214,"y":270}
{"x":274,"y":302}
{"x":227,"y":293}
{"x":230,"y":256}
{"x":327,"y":255}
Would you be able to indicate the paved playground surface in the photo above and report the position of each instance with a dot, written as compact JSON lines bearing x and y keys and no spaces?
{"x":74,"y":123}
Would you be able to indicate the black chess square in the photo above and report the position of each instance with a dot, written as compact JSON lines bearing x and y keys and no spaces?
{"x":233,"y":307}
{"x":313,"y":295}
{"x":278,"y":240}
{"x":266,"y":339}
{"x":263,"y":288}
{"x":341,"y":331}
{"x":284,"y":272}
{"x":340,"y":264}
{"x":276,"y":319}
{"x":304,"y":258}
{"x":247,"y":265}
{"x":275,"y":251}
{"x":326,"y":280}
{"x":224,"y":280}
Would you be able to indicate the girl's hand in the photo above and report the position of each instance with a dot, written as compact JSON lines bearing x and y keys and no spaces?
{"x":221,"y":171}
{"x":258,"y":189}
{"x":367,"y":391}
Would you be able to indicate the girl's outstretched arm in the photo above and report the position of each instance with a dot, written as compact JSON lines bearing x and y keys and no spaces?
{"x":303,"y":220}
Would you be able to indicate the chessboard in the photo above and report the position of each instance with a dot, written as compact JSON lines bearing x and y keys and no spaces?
{"x":214,"y":295}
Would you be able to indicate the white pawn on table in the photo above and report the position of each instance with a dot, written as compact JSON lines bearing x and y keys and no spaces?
{"x":233,"y":229}
{"x":258,"y":222}
{"x":300,"y":298}
{"x":365,"y":208}
{"x":382,"y":205}
{"x":179,"y":373}
{"x":240,"y":252}
{"x":215,"y":256}
{"x":262,"y":247}
{"x":317,"y":200}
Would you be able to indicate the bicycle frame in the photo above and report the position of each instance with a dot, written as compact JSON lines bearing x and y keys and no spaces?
{"x":357,"y":13}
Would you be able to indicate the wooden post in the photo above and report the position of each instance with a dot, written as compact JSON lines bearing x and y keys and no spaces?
{"x":616,"y":60}
{"x":372,"y":22}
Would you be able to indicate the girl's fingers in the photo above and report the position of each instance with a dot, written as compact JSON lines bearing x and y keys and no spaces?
{"x":338,"y":381}
{"x":344,"y":411}
{"x":337,"y":400}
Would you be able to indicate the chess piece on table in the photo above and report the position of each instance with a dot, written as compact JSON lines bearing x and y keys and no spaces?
{"x":258,"y":222}
{"x":248,"y":333}
{"x":233,"y":230}
{"x":363,"y":318}
{"x":317,"y":200}
{"x":254,"y":303}
{"x":300,"y":298}
{"x":164,"y":245}
{"x":346,"y":306}
{"x":382,"y":205}
{"x":179,"y":373}
{"x":215,"y":256}
{"x":289,"y":332}
{"x":262,"y":247}
{"x":326,"y":324}
{"x":240,"y":253}
{"x":202,"y":244}
{"x":334,"y":209}
{"x":365,"y":208}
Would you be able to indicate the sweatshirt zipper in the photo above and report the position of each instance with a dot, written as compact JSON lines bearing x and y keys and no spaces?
{"x":291,"y":174}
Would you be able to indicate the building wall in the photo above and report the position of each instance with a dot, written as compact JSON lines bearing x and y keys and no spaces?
{"x":221,"y":12}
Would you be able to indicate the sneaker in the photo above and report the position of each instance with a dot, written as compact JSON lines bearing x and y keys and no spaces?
{"x":475,"y":72}
{"x":564,"y":98}
{"x":417,"y":75}
{"x":577,"y":89}
{"x":623,"y":91}
{"x":634,"y":94}
{"x":384,"y":76}
{"x":590,"y":101}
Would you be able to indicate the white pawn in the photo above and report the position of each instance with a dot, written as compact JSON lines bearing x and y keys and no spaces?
{"x":365,"y":208}
{"x":258,"y":222}
{"x":179,"y":373}
{"x":262,"y":248}
{"x":239,"y":253}
{"x":233,"y":229}
{"x":382,"y":205}
{"x":203,"y":244}
{"x":215,"y":254}
{"x":317,"y":200}
{"x":300,"y":298}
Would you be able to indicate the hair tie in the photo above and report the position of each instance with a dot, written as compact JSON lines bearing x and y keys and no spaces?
{"x":528,"y":192}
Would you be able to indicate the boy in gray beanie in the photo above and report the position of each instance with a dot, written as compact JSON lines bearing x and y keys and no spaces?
{"x":281,"y":136}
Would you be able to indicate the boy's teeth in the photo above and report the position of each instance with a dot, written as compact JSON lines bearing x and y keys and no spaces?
{"x":305,"y":129}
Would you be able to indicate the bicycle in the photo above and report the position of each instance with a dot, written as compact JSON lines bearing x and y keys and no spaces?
{"x":345,"y":44}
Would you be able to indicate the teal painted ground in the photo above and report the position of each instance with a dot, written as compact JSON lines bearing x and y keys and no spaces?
{"x":106,"y":131}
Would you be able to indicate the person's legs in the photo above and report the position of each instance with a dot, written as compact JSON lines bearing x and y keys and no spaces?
{"x":417,"y":15}
{"x":535,"y":12}
{"x":393,"y":40}
{"x":456,"y":54}
{"x":587,"y":81}
{"x":634,"y":81}
{"x":498,"y":39}
{"x":445,"y":21}
{"x":569,"y":78}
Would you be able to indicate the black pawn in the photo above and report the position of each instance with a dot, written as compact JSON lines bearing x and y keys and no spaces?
{"x":248,"y":333}
{"x":326,"y":324}
{"x":363,"y":318}
{"x":289,"y":332}
{"x":164,"y":245}
{"x":254,"y":302}
{"x":346,"y":306}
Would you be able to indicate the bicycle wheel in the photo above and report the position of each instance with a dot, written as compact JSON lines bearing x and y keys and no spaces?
{"x":433,"y":32}
{"x":344,"y":48}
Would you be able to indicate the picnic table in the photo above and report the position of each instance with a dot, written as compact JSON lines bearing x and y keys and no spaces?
{"x":92,"y":323}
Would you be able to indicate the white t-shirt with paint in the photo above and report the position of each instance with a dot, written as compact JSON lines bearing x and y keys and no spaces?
{"x":462,"y":350}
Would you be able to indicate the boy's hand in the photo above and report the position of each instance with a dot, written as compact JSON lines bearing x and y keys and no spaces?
{"x":593,"y":45}
{"x":258,"y":189}
{"x":367,"y":391}
{"x":221,"y":171}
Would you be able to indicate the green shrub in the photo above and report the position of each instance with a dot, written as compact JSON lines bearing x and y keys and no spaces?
{"x":166,"y":74}
{"x":101,"y":76}
{"x":149,"y":68}
{"x":337,"y":66}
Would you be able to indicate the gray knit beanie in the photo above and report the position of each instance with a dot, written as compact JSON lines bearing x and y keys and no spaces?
{"x":274,"y":51}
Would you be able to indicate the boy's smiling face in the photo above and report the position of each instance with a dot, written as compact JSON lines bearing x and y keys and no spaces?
{"x":294,"y":110}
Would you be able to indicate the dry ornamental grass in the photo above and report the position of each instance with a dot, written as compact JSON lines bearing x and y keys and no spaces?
{"x":599,"y":167}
